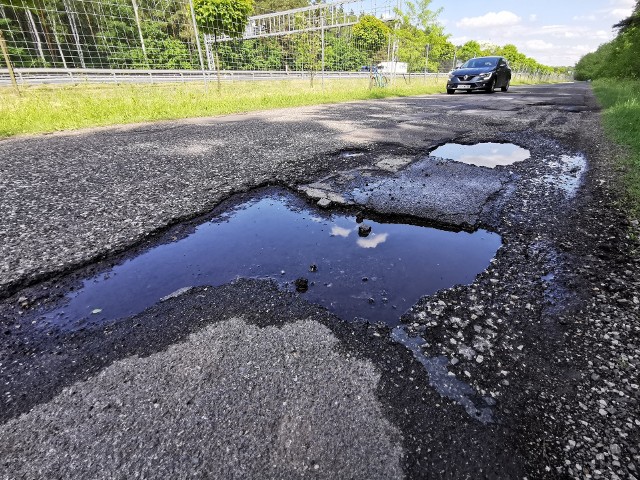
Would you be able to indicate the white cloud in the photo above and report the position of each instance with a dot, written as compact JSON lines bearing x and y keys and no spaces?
{"x":564,"y":31}
{"x":620,"y":13}
{"x":533,"y":17}
{"x":460,"y":40}
{"x":491,"y":19}
{"x":603,"y":35}
{"x":619,"y":9}
{"x":623,"y":3}
{"x":585,"y":18}
{"x":539,"y":45}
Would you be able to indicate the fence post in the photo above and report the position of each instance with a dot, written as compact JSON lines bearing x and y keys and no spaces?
{"x":5,"y":53}
{"x":135,"y":13}
{"x":426,"y":63}
{"x":195,"y":32}
{"x":322,"y":35}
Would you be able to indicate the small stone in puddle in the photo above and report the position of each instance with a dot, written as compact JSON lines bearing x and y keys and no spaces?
{"x":365,"y":279}
{"x":359,"y":218}
{"x":313,"y":267}
{"x":302,"y":284}
{"x":364,"y":230}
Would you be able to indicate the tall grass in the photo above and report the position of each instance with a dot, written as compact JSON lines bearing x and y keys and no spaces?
{"x":44,"y":109}
{"x":621,"y":102}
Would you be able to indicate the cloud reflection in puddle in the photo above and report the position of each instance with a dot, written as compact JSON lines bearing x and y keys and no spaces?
{"x":373,"y":241}
{"x":337,"y":231}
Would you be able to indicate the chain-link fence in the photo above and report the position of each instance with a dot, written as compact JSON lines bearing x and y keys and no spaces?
{"x":178,"y":40}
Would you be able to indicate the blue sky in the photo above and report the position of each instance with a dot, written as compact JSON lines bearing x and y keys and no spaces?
{"x":554,"y":32}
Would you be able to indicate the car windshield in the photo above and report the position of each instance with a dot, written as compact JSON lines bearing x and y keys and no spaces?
{"x":480,"y":62}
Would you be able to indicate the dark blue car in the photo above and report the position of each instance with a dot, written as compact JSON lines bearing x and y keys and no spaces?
{"x":481,"y":73}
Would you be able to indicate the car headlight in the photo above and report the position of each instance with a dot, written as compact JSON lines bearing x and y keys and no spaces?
{"x":485,"y":76}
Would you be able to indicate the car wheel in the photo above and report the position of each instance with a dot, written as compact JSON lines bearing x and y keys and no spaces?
{"x":450,"y":91}
{"x":505,"y":88}
{"x":492,"y":86}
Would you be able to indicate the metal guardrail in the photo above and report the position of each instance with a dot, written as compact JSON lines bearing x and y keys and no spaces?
{"x":39,"y":76}
{"x":36,"y":76}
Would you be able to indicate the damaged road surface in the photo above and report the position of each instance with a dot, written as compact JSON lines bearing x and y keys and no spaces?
{"x":407,"y":288}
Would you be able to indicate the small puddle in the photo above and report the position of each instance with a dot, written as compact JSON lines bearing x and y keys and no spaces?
{"x":488,"y":155}
{"x":567,"y":174}
{"x":374,"y":277}
{"x":444,"y":382}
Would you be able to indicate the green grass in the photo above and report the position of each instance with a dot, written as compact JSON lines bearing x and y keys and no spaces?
{"x":621,"y":102}
{"x":45,"y":109}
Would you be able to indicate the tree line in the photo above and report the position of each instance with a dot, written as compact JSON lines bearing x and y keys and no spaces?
{"x":619,"y":58}
{"x":160,"y":34}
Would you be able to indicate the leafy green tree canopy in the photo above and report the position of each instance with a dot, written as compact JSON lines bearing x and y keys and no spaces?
{"x":223,"y":17}
{"x":370,"y":34}
{"x":469,"y":50}
{"x":420,"y":15}
{"x":267,"y":6}
{"x":619,"y":58}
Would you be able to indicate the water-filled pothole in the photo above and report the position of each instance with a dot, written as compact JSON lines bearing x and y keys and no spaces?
{"x":482,"y":154}
{"x":376,"y":277}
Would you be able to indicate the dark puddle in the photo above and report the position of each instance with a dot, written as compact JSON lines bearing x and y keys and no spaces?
{"x":482,"y":154}
{"x":375,"y":278}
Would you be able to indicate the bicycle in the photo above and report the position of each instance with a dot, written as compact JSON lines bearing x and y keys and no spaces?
{"x":378,"y":79}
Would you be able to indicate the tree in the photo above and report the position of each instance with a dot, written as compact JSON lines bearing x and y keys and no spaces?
{"x":222,"y":17}
{"x":619,"y":58}
{"x":469,"y":50}
{"x":418,"y":28}
{"x":517,"y":59}
{"x":370,"y":35}
{"x":630,"y":22}
{"x":269,"y":6}
{"x":419,"y":15}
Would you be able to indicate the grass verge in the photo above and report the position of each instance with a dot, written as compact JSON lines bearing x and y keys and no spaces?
{"x":44,"y":109}
{"x":621,"y":102}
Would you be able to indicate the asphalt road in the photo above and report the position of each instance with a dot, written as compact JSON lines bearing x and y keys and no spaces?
{"x":247,"y":380}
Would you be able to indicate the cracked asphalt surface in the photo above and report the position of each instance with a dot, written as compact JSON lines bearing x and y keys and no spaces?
{"x":246,"y":380}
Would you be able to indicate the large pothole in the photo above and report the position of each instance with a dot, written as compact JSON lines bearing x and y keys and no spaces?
{"x":355,"y":273}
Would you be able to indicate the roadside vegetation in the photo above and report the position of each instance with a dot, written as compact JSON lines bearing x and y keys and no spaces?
{"x":615,"y":71}
{"x":621,"y":103}
{"x":53,"y":108}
